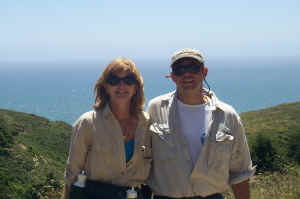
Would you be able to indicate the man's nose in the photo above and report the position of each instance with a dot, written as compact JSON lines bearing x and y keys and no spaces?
{"x":187,"y":73}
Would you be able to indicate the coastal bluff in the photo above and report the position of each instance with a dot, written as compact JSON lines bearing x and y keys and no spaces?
{"x":33,"y":152}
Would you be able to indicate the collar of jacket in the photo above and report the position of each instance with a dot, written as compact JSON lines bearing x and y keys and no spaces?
{"x":107,"y":112}
{"x":216,"y":104}
{"x":143,"y":117}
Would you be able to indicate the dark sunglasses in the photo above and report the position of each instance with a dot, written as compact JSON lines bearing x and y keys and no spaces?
{"x":115,"y":80}
{"x":180,"y":69}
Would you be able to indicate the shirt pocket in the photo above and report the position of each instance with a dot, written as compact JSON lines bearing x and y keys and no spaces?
{"x":101,"y":151}
{"x":146,"y":168}
{"x":163,"y":148}
{"x":162,"y":131}
{"x":219,"y":155}
{"x":139,"y":166}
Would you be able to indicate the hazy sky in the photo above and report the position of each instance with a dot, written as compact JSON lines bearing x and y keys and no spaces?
{"x":55,"y":30}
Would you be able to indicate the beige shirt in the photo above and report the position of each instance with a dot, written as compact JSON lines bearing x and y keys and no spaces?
{"x":97,"y":146}
{"x":223,"y":160}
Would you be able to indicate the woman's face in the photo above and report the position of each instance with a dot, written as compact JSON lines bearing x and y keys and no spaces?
{"x":121,"y":86}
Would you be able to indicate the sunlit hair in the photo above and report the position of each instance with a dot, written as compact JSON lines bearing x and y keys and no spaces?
{"x":114,"y":67}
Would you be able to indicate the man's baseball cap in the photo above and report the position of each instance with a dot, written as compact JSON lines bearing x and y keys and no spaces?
{"x":187,"y":53}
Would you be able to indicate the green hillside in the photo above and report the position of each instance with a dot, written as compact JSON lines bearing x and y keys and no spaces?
{"x":33,"y":151}
{"x":279,"y":124}
{"x":274,"y":139}
{"x":278,"y":119}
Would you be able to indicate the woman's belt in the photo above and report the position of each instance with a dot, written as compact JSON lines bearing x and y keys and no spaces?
{"x":98,"y":190}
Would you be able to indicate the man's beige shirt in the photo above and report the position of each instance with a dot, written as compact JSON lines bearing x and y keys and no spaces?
{"x":223,"y":160}
{"x":97,"y":146}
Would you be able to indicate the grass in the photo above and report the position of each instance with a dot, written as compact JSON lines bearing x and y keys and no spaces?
{"x":274,"y":185}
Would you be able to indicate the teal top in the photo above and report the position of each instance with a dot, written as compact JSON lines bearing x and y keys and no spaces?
{"x":129,"y":149}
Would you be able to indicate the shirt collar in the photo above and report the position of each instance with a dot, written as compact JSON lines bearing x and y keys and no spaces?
{"x":215,"y":104}
{"x":107,"y":112}
{"x":143,"y":117}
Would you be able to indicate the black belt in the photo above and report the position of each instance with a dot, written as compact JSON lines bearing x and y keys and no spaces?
{"x":214,"y":196}
{"x":99,"y":190}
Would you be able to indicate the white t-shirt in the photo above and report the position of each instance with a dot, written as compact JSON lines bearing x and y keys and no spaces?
{"x":195,"y":120}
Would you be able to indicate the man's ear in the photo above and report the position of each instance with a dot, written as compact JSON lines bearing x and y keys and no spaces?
{"x":173,"y":77}
{"x":204,"y":71}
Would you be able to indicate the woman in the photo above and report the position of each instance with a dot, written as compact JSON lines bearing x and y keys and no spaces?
{"x":111,"y":144}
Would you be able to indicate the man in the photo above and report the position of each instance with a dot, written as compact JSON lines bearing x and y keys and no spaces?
{"x":199,"y":145}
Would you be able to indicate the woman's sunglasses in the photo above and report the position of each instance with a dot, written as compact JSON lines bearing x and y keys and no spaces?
{"x":180,"y":69}
{"x":115,"y":80}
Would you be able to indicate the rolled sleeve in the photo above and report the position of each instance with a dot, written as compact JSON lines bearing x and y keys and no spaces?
{"x":241,"y":167}
{"x":80,"y":141}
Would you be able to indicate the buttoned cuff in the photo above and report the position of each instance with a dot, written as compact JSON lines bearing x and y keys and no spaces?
{"x":235,"y":179}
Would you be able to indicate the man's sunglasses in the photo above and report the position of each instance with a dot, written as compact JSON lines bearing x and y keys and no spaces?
{"x":115,"y":80}
{"x":180,"y":69}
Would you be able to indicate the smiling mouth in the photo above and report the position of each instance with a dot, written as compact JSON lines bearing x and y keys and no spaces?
{"x":121,"y":92}
{"x":188,"y":81}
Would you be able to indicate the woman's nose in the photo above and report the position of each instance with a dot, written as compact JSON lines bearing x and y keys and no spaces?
{"x":122,"y":84}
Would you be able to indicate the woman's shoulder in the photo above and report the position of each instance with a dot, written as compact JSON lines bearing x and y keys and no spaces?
{"x":89,"y":115}
{"x":145,"y":116}
{"x":86,"y":118}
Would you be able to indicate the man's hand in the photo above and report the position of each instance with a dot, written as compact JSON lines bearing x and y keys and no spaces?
{"x":241,"y":190}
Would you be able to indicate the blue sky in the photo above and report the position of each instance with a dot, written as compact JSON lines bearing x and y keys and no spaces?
{"x":62,"y":30}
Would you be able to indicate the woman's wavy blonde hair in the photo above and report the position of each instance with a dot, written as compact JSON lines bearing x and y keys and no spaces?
{"x":114,"y":67}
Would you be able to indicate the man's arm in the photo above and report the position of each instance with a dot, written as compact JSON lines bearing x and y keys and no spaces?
{"x":241,"y":190}
{"x":66,"y":192}
{"x":241,"y":165}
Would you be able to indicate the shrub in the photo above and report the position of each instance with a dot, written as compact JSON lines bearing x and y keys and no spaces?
{"x":294,"y":147}
{"x":5,"y":138}
{"x":264,"y":155}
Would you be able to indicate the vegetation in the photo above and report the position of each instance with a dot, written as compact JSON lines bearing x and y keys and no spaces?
{"x":294,"y":147}
{"x":273,"y":136}
{"x":33,"y":154}
{"x":274,"y":139}
{"x":33,"y":151}
{"x":6,"y":138}
{"x":274,"y":185}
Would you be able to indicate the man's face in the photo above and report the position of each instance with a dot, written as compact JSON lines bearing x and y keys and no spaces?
{"x":188,"y":74}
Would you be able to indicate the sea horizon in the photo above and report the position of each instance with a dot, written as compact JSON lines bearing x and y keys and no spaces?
{"x":64,"y":91}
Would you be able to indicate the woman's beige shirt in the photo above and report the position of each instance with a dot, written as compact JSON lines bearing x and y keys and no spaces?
{"x":97,"y":146}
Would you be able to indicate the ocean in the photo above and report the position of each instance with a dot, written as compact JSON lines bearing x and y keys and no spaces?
{"x":64,"y":91}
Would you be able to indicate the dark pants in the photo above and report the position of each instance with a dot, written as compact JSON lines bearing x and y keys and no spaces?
{"x":99,"y":190}
{"x":214,"y":196}
{"x":77,"y":193}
